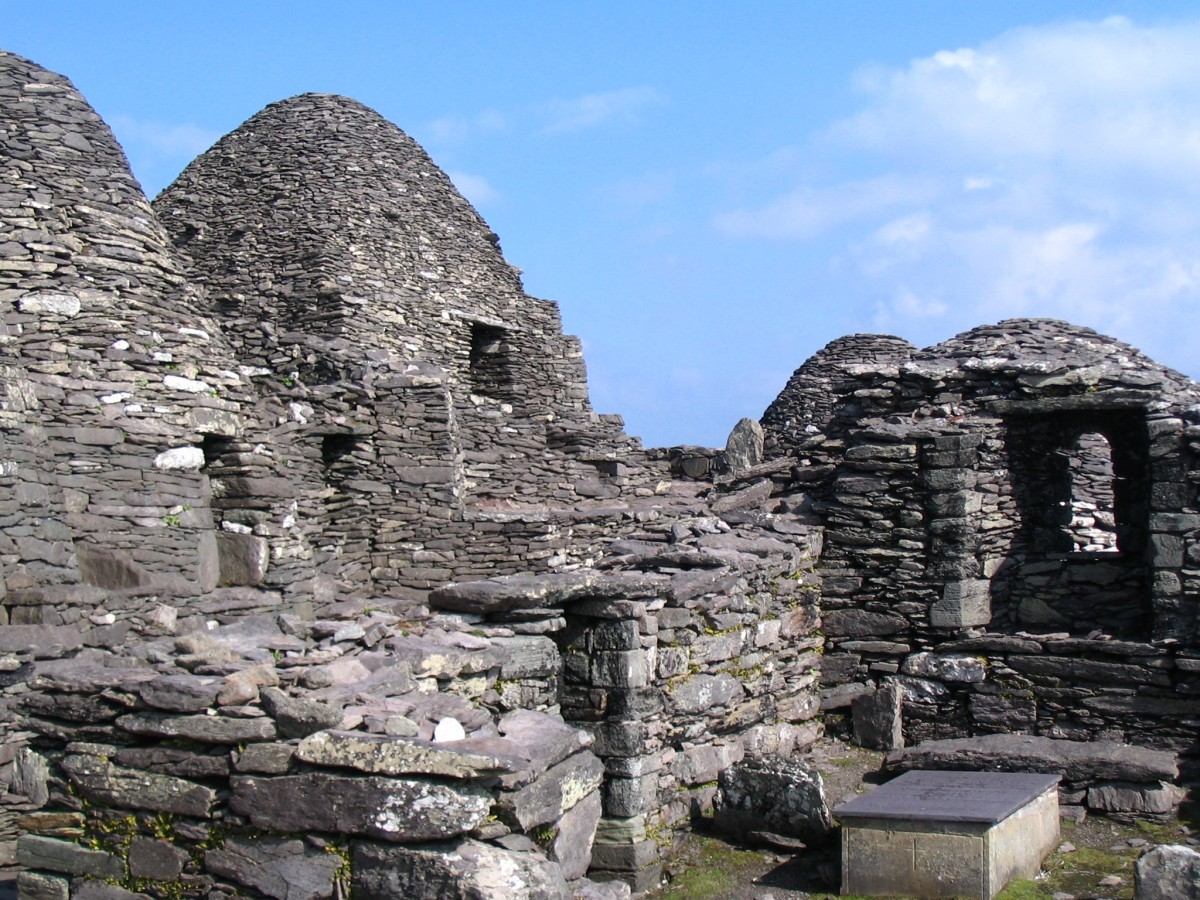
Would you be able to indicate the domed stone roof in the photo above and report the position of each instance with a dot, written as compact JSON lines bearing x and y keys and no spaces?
{"x":71,"y":211}
{"x":318,"y":196}
{"x":809,"y":399}
{"x":318,"y":221}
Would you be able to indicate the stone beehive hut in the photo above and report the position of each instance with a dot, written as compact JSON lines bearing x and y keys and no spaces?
{"x":239,"y":451}
{"x":1011,"y":529}
{"x":112,"y":375}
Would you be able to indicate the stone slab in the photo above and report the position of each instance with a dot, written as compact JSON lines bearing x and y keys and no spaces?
{"x":941,"y":796}
{"x":957,"y":839}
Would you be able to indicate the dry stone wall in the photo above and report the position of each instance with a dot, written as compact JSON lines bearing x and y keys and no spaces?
{"x":952,"y":483}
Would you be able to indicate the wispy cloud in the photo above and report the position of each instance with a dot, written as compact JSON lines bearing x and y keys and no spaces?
{"x":475,"y":188}
{"x":1051,"y":171}
{"x":593,"y":110}
{"x":162,"y":142}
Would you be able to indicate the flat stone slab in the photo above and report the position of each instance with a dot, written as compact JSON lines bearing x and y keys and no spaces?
{"x":513,"y":592}
{"x":948,"y":833}
{"x":939,"y":796}
{"x":1076,"y":761}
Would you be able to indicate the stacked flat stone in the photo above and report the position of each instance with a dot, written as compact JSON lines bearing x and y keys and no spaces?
{"x":689,"y":649}
{"x":189,"y":764}
{"x":955,"y":570}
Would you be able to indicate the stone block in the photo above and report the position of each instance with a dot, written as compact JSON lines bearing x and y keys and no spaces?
{"x":453,"y":869}
{"x":156,"y":860}
{"x":574,"y":835}
{"x":390,"y":809}
{"x":948,"y":834}
{"x":281,"y":869}
{"x":772,"y":794}
{"x":40,"y":886}
{"x":38,"y":852}
{"x":243,"y":559}
{"x":552,"y":794}
{"x":1168,"y":872}
{"x":879,"y":719}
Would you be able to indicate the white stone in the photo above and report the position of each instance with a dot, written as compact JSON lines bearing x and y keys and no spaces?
{"x":180,"y":459}
{"x":969,"y":669}
{"x":194,"y":332}
{"x":448,"y":729}
{"x":115,"y":398}
{"x":50,"y":304}
{"x":188,"y":385}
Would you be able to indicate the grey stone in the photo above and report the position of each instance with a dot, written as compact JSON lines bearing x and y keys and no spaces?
{"x":103,"y":783}
{"x":878,"y":719}
{"x":383,"y":755}
{"x":1168,"y":872}
{"x":206,"y":729}
{"x":1130,"y":797}
{"x":180,"y":693}
{"x":38,"y":852}
{"x":532,"y":592}
{"x":390,"y":809}
{"x":462,"y":870}
{"x":297,"y":717}
{"x":744,"y":448}
{"x":282,"y":869}
{"x":575,"y":831}
{"x":557,"y":790}
{"x":773,"y":794}
{"x":41,"y":886}
{"x":860,"y":623}
{"x":1077,"y":761}
{"x":154,"y":859}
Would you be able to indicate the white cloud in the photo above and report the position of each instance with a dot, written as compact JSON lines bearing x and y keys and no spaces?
{"x":475,"y":188}
{"x":1052,"y":171}
{"x":807,"y":211}
{"x":162,"y":142}
{"x":592,"y":110}
{"x":456,"y":129}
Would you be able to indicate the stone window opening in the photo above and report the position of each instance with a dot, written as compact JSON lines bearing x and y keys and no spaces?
{"x":337,"y":457}
{"x":1089,"y":512}
{"x":491,"y":364}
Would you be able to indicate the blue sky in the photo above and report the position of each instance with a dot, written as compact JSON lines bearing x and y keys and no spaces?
{"x":713,"y":191}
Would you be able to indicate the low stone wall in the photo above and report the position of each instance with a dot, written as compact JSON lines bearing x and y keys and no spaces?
{"x":1049,"y":684}
{"x":287,"y":758}
{"x":691,"y":650}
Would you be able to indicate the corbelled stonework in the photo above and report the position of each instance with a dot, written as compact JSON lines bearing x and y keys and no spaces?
{"x":318,"y":572}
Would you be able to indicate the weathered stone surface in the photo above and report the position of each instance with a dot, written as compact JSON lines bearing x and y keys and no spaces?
{"x":180,"y":693}
{"x":1168,"y":872}
{"x":382,"y":755}
{"x":391,"y":809}
{"x":744,"y":448}
{"x":41,"y":886}
{"x":554,"y":792}
{"x":464,"y":870}
{"x":968,"y":669}
{"x":102,"y":782}
{"x":702,"y":692}
{"x":29,"y":777}
{"x":37,"y":852}
{"x":878,"y":719}
{"x":859,"y":622}
{"x":206,"y":729}
{"x":90,"y":889}
{"x":772,"y":794}
{"x":157,"y":860}
{"x":533,"y":592}
{"x":1130,"y":797}
{"x":1075,"y":760}
{"x":297,"y":717}
{"x":265,"y":759}
{"x":571,"y":847}
{"x":282,"y":869}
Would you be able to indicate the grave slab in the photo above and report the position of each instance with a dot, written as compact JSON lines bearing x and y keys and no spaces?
{"x":948,"y":834}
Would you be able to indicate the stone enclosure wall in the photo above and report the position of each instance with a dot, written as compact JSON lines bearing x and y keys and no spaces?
{"x":319,"y":573}
{"x":1011,"y":522}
